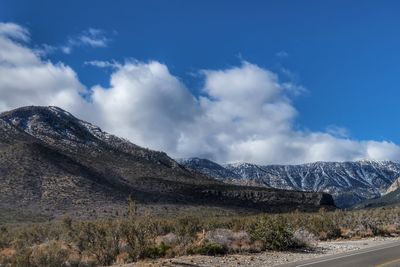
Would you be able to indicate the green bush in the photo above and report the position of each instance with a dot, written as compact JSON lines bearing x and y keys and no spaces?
{"x":324,"y":225}
{"x":210,"y":249}
{"x":101,"y":239}
{"x":156,"y":251}
{"x":188,"y":226}
{"x":139,"y":236}
{"x":274,"y":232}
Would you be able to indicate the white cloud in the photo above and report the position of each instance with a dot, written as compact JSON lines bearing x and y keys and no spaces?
{"x":45,"y":49}
{"x":95,"y":38}
{"x":26,"y":79}
{"x":14,"y":31}
{"x":103,"y":64}
{"x":90,"y":37}
{"x":337,"y":131}
{"x":146,"y":104}
{"x":245,"y":113}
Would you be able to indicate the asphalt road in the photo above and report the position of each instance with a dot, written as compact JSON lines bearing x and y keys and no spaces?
{"x":387,"y":255}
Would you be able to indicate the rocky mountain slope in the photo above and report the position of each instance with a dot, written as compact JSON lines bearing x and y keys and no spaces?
{"x":209,"y":168}
{"x":348,"y":182}
{"x":52,"y":162}
{"x":391,"y":197}
{"x":395,"y":185}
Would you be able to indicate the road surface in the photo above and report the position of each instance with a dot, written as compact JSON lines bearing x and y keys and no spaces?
{"x":387,"y":255}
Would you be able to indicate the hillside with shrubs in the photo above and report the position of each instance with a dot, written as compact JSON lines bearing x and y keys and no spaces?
{"x":52,"y":163}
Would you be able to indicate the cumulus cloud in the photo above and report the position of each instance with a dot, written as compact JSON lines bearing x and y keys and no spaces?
{"x":244,"y":113}
{"x":26,"y":79}
{"x":146,"y":104}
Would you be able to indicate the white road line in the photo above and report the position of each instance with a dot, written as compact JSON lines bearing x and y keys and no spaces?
{"x":348,"y":255}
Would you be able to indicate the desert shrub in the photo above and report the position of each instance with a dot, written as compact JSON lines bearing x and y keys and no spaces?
{"x":274,"y":232}
{"x":139,"y":236}
{"x":390,"y":230}
{"x":156,"y":251}
{"x":187,"y":227}
{"x":303,"y":238}
{"x":385,"y":230}
{"x":169,"y":239}
{"x":232,"y":241}
{"x":49,"y":254}
{"x":67,"y":228}
{"x":101,"y":239}
{"x":223,"y":237}
{"x":6,"y":256}
{"x":33,"y":235}
{"x":21,"y":257}
{"x":241,"y":242}
{"x":210,"y":249}
{"x":5,"y":237}
{"x":323,"y":225}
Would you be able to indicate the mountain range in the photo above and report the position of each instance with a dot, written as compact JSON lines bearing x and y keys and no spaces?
{"x":348,"y":182}
{"x":54,"y":163}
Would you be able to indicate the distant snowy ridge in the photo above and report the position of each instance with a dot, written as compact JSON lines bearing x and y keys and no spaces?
{"x":348,"y":182}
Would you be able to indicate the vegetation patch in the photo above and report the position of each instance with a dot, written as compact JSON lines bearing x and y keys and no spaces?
{"x":105,"y":242}
{"x":211,"y":249}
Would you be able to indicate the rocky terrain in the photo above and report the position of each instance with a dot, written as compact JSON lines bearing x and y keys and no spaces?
{"x":52,"y":162}
{"x":348,"y":182}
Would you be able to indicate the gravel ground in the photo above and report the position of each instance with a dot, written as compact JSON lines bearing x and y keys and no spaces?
{"x":266,"y":258}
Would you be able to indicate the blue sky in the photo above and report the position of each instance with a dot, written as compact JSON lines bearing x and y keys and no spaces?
{"x":344,"y":53}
